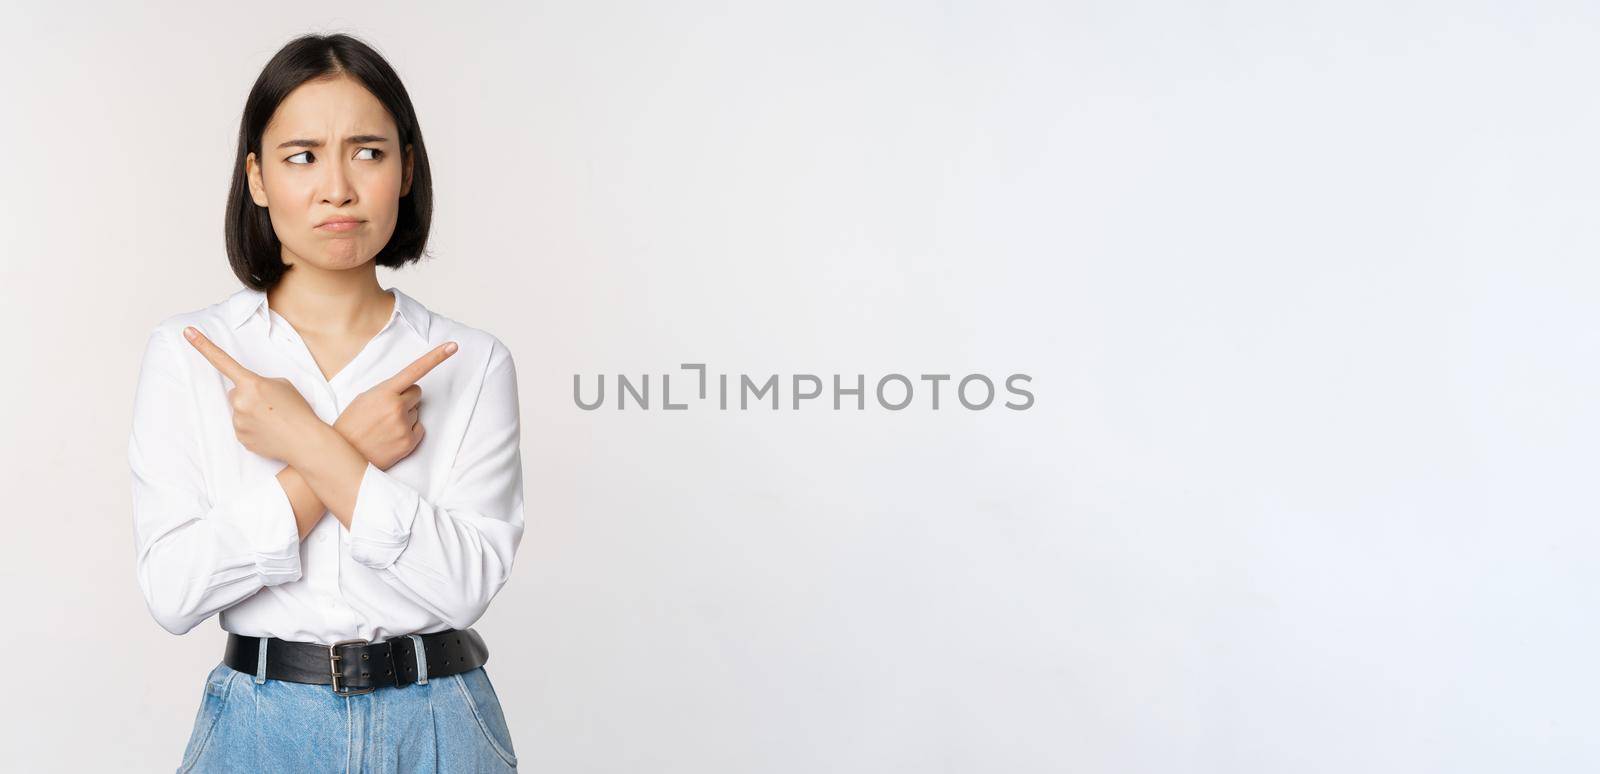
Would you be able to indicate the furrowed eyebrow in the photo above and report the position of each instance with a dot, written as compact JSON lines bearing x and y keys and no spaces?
{"x":351,"y":140}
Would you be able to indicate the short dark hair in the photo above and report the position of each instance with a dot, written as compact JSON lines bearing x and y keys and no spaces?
{"x":253,"y":248}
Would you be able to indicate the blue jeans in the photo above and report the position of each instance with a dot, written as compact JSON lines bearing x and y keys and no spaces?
{"x":449,"y":724}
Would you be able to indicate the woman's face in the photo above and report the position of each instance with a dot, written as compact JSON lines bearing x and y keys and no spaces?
{"x":331,"y":151}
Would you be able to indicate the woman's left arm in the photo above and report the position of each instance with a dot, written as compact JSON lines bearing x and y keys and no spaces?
{"x":454,"y":553}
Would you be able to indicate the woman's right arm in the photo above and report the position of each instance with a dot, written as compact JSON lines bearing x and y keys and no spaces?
{"x":308,"y":508}
{"x":195,"y":557}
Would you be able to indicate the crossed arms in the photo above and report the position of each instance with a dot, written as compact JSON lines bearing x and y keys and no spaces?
{"x":450,"y":555}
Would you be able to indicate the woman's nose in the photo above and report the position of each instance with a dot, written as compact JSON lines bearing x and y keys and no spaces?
{"x":336,"y":186}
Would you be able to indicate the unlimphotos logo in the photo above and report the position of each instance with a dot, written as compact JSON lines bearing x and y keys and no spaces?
{"x":894,"y":392}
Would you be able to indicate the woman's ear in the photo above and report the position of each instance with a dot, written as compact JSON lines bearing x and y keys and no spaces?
{"x":252,"y":171}
{"x":405,"y":185}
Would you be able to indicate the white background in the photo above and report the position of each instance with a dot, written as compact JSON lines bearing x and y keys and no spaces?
{"x":1307,"y":292}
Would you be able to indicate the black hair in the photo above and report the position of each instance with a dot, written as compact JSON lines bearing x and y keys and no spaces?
{"x":253,"y":248}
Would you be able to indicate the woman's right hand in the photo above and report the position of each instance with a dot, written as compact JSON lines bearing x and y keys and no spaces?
{"x":383,"y":422}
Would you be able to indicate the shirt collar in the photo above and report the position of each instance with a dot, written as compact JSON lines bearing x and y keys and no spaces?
{"x":249,"y":302}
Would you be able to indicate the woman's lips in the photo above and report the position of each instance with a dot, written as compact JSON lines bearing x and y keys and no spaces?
{"x":345,"y":225}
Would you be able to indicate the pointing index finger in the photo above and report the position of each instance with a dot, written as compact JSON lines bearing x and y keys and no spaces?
{"x":218,"y":358}
{"x":420,"y":367}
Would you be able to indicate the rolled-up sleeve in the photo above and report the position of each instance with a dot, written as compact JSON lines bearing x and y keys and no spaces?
{"x":453,"y":554}
{"x":195,"y":557}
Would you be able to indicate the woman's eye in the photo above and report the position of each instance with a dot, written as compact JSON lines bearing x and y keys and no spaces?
{"x":376,"y":154}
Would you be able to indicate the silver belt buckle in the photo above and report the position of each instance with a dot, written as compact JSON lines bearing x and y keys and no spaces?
{"x":333,"y":668}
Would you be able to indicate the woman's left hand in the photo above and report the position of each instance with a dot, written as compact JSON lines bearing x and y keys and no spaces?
{"x":270,"y":416}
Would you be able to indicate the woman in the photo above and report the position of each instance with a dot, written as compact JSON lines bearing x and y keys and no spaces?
{"x":281,"y":473}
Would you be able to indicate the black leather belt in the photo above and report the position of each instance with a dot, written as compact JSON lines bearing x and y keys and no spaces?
{"x":359,"y":666}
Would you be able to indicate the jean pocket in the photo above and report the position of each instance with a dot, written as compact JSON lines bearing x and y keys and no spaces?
{"x":481,"y":698}
{"x":212,"y":700}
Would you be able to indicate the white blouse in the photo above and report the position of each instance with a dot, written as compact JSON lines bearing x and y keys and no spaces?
{"x":431,"y":540}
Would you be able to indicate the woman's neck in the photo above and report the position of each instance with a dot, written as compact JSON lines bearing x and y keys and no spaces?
{"x":331,"y":304}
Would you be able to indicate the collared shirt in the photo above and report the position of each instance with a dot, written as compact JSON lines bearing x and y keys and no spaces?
{"x":432,"y":538}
